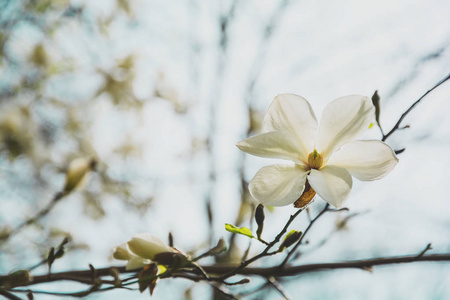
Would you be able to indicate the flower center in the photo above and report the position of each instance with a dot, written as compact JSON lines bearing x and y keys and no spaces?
{"x":315,"y":160}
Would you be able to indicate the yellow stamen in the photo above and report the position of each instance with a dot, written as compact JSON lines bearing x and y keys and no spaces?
{"x":315,"y":160}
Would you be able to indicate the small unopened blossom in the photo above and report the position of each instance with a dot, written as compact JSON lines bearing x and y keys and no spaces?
{"x":325,"y":155}
{"x":122,"y":252}
{"x":141,"y":250}
{"x":77,"y":173}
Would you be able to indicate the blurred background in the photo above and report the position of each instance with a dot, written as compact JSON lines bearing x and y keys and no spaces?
{"x":159,"y":93}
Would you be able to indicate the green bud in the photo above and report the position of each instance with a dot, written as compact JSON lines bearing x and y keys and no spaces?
{"x":291,"y":238}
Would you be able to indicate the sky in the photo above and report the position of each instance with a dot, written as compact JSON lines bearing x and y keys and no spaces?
{"x":320,"y":50}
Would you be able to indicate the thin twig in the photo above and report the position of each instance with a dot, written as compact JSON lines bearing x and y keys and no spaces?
{"x":255,"y":290}
{"x":427,"y":248}
{"x":292,"y":251}
{"x":274,"y":282}
{"x":265,"y":252}
{"x":397,"y":125}
{"x":42,"y":213}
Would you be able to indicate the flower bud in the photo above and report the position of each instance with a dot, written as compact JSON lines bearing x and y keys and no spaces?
{"x":259,"y":218}
{"x":290,"y":239}
{"x":121,"y":252}
{"x":259,"y":214}
{"x":76,"y":173}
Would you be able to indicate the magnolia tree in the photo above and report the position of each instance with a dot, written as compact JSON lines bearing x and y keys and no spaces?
{"x":46,"y":133}
{"x":325,"y":156}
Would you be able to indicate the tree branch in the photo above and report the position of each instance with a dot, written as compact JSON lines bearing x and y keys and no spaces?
{"x":42,"y":213}
{"x":354,"y":264}
{"x":397,"y":125}
{"x":8,"y":295}
{"x":265,"y":252}
{"x":292,"y":251}
{"x":84,"y":276}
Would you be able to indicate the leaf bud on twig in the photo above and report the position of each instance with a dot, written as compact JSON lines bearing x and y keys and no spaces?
{"x":291,"y":238}
{"x":259,"y":218}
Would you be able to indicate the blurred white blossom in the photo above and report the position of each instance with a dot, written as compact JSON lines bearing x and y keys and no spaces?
{"x":77,"y":173}
{"x":140,"y":250}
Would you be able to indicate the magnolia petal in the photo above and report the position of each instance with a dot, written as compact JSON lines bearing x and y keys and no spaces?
{"x":121,"y":252}
{"x":136,"y":262}
{"x":147,"y":245}
{"x":332,"y":183}
{"x":365,"y":160}
{"x":294,"y":116}
{"x":278,"y":185}
{"x":343,"y":120}
{"x":272,"y":144}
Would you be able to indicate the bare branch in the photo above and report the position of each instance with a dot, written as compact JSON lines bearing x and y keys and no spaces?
{"x":285,"y":261}
{"x":8,"y":295}
{"x":274,"y":282}
{"x":42,"y":213}
{"x":265,"y":252}
{"x":397,"y":125}
{"x":84,"y":276}
{"x":427,"y":248}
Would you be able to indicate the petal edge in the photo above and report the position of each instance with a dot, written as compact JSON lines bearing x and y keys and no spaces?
{"x":293,"y":115}
{"x":272,"y":144}
{"x":366,"y":160}
{"x":332,"y":183}
{"x":278,"y":185}
{"x":343,"y":120}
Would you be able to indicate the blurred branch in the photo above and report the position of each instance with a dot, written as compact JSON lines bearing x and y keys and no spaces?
{"x":215,"y":99}
{"x":8,"y":295}
{"x":245,"y":255}
{"x":418,"y":66}
{"x":253,"y":76}
{"x":397,"y":125}
{"x":42,"y":213}
{"x":85,"y":276}
{"x":273,"y":282}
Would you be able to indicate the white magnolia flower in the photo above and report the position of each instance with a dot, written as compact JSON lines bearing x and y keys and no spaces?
{"x":325,"y":155}
{"x":140,"y":250}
